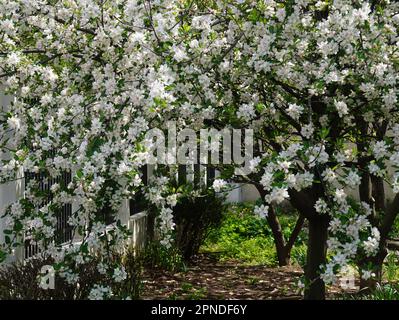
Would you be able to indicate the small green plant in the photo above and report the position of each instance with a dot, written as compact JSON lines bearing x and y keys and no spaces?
{"x":298,"y":254}
{"x":173,"y":296}
{"x":198,"y":294}
{"x":157,"y":256}
{"x":395,"y":229}
{"x":189,"y":292}
{"x":382,"y":292}
{"x":186,"y":286}
{"x":391,"y":267}
{"x":252,"y":281}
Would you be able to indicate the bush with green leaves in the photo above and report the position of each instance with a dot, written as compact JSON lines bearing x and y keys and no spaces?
{"x":157,"y":256}
{"x":20,"y":280}
{"x":195,"y":215}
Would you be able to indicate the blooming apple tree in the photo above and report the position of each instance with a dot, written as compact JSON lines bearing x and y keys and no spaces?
{"x":88,"y":79}
{"x":315,"y":80}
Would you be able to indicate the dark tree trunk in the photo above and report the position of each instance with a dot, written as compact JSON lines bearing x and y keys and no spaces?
{"x":283,"y":249}
{"x":316,"y":256}
{"x":283,"y":255}
{"x":295,"y":233}
{"x":378,"y":192}
{"x":150,"y":227}
{"x":385,"y":227}
{"x":376,"y":262}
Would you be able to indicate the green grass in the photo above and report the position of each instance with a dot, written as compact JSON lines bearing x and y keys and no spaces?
{"x":189,"y":292}
{"x":391,"y":268}
{"x":384,"y":292}
{"x":247,"y":238}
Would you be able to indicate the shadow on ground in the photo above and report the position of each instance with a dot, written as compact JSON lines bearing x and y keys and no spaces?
{"x":206,"y":278}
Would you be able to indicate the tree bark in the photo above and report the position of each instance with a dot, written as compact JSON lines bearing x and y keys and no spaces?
{"x":378,"y":193}
{"x":295,"y":233}
{"x":316,"y":256}
{"x":283,"y":249}
{"x":376,"y":262}
{"x":385,"y":227}
{"x":283,"y":255}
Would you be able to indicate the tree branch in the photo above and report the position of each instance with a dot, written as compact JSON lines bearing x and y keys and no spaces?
{"x":389,"y":218}
{"x":295,"y":233}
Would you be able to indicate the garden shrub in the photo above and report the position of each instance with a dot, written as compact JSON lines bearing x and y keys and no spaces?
{"x":157,"y":256}
{"x":20,"y":280}
{"x":195,"y":216}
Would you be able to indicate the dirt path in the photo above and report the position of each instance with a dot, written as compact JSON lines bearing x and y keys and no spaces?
{"x":208,"y":279}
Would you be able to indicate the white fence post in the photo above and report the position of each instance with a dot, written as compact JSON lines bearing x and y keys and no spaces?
{"x":7,"y":191}
{"x":11,"y":191}
{"x":124,"y":212}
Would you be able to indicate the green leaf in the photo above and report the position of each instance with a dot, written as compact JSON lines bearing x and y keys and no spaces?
{"x":324,"y":133}
{"x":79,"y":173}
{"x":18,"y":226}
{"x":227,"y":173}
{"x":3,"y":256}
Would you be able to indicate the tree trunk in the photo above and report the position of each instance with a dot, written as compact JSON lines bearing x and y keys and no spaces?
{"x":150,"y":232}
{"x":385,"y":227}
{"x":376,"y":262}
{"x":316,"y":256}
{"x":378,"y":192}
{"x":283,"y":255}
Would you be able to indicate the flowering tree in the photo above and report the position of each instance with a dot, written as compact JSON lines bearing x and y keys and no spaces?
{"x":88,"y":78}
{"x":316,"y":80}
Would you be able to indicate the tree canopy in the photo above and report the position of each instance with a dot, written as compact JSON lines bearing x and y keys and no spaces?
{"x":315,"y":80}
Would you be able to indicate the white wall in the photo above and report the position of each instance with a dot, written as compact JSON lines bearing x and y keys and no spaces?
{"x":249,"y":193}
{"x":235,"y":195}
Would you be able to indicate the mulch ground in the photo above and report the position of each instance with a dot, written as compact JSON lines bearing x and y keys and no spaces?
{"x":206,"y":278}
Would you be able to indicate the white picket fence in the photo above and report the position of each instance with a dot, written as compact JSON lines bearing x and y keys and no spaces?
{"x":138,"y":225}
